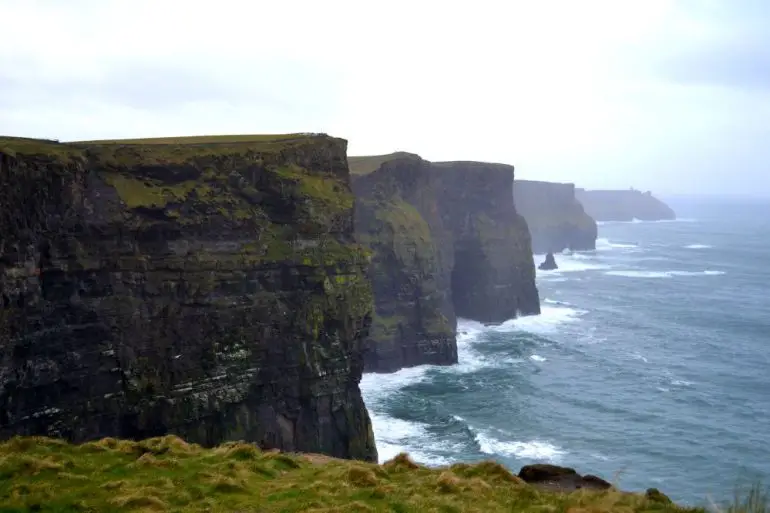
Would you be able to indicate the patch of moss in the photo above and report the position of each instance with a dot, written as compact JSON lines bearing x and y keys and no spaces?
{"x":175,"y":476}
{"x":142,"y":193}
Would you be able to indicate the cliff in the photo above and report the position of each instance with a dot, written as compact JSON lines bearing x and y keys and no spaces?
{"x":447,"y":242}
{"x":555,"y":217}
{"x":208,"y":287}
{"x":624,"y":205}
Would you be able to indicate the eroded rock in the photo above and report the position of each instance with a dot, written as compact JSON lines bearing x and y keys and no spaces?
{"x":208,"y":288}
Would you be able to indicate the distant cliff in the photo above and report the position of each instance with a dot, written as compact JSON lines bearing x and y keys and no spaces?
{"x":447,"y":242}
{"x":556,"y":219}
{"x":206,"y":287}
{"x":623,"y":205}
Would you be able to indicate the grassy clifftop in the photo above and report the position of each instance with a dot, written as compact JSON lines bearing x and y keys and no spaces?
{"x":167,"y":474}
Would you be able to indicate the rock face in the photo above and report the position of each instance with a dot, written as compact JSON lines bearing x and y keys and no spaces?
{"x":205,"y":287}
{"x":447,"y":242}
{"x":549,"y":264}
{"x":555,"y":217}
{"x":607,"y":205}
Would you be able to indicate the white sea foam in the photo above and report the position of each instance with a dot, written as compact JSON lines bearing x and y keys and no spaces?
{"x":603,"y":244}
{"x":548,"y":321}
{"x":533,"y":449}
{"x":575,"y":262}
{"x":662,"y":274}
{"x":698,"y":246}
{"x":639,"y":221}
{"x":396,"y":435}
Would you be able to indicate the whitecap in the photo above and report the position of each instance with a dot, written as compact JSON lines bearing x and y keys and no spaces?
{"x":537,"y":358}
{"x":555,"y":302}
{"x":699,"y":246}
{"x":662,"y":274}
{"x":548,"y":321}
{"x":570,"y":264}
{"x":603,"y":244}
{"x":533,"y":449}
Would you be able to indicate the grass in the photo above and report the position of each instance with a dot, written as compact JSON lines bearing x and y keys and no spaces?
{"x":364,"y":165}
{"x":167,"y":474}
{"x":158,"y":150}
{"x":199,"y":139}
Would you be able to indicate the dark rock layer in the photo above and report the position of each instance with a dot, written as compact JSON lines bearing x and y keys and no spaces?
{"x":447,"y":243}
{"x":208,"y":289}
{"x":624,"y":205}
{"x":556,"y":219}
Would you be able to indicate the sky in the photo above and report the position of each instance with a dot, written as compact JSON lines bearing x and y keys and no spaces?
{"x":671,"y":96}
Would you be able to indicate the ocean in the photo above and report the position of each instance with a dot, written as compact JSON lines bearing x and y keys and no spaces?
{"x":649,"y":365}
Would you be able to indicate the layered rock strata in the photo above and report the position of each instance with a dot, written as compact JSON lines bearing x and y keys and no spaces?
{"x":556,"y":219}
{"x":206,"y":287}
{"x":624,"y":205}
{"x":447,"y":242}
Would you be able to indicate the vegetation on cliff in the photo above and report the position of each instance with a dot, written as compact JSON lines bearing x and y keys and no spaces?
{"x":168,"y":474}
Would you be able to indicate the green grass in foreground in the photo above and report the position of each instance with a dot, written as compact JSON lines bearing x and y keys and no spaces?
{"x":167,"y":474}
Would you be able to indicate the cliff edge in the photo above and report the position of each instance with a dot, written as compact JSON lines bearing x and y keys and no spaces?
{"x":447,"y":242}
{"x":208,"y":287}
{"x":556,"y":219}
{"x":624,"y":205}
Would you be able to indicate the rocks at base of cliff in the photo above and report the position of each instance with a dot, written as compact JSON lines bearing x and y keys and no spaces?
{"x":549,"y":264}
{"x":556,"y":219}
{"x":563,"y":479}
{"x":624,"y":205}
{"x":203,"y":287}
{"x":447,"y":242}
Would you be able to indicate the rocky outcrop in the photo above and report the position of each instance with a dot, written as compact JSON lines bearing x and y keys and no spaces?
{"x":549,"y":264}
{"x":556,"y":219}
{"x":624,"y":205}
{"x":563,"y":479}
{"x":205,"y":287}
{"x":447,"y":242}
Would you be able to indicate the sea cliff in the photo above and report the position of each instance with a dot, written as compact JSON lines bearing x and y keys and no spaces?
{"x":556,"y":219}
{"x":207,"y":287}
{"x":447,"y":242}
{"x":624,"y":205}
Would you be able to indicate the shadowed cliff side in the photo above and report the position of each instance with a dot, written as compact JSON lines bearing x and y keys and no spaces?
{"x":624,"y":205}
{"x":555,"y":218}
{"x":447,"y":242}
{"x":208,"y":287}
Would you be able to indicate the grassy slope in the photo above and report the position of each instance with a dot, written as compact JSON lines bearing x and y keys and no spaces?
{"x":160,"y":150}
{"x":364,"y":165}
{"x":166,"y":474}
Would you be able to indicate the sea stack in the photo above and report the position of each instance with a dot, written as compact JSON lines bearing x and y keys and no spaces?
{"x":549,"y":264}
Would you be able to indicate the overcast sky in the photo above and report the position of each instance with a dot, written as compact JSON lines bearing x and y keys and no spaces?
{"x":668,"y":95}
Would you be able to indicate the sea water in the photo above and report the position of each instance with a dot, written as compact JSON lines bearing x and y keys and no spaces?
{"x":649,"y":365}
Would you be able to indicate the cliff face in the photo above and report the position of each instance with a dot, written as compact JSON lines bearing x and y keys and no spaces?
{"x":624,"y":205}
{"x":206,"y":287}
{"x":447,"y":243}
{"x":555,"y":217}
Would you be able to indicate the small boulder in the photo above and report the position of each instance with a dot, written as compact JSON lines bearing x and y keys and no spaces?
{"x":549,"y":264}
{"x":565,"y":479}
{"x":540,"y":472}
{"x":655,"y":495}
